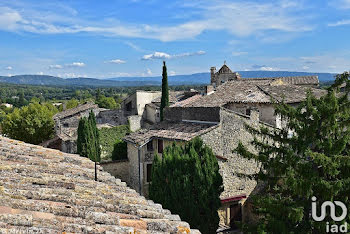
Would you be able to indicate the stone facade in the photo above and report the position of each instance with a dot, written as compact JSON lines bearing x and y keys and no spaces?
{"x":118,"y":169}
{"x":223,"y":75}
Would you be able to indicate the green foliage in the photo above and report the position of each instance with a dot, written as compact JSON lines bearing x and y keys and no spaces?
{"x":107,"y":102}
{"x":165,"y":92}
{"x":72,"y":103}
{"x":187,"y":182}
{"x":32,"y":124}
{"x":120,"y":150}
{"x":88,"y":142}
{"x":110,"y":136}
{"x":313,"y":161}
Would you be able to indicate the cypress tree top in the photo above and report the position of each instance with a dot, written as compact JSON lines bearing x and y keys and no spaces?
{"x":165,"y":92}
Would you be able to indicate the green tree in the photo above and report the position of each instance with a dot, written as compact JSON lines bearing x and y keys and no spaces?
{"x":309,"y":156}
{"x":187,"y":181}
{"x":88,"y":142}
{"x":72,"y":103}
{"x":120,"y":150}
{"x":165,"y":92}
{"x":107,"y":102}
{"x":32,"y":123}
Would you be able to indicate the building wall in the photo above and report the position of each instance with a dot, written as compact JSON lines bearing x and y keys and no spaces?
{"x":113,"y":117}
{"x":211,"y":114}
{"x":133,"y":167}
{"x":143,"y":98}
{"x":135,"y":122}
{"x":119,"y":169}
{"x":151,"y":114}
{"x":266,"y":110}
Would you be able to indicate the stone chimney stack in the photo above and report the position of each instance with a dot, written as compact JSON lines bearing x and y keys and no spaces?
{"x":255,"y":115}
{"x":209,"y":89}
{"x":212,"y":75}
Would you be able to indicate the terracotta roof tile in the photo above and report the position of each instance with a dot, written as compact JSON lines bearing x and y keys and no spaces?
{"x":170,"y":130}
{"x":47,"y":191}
{"x":76,"y":110}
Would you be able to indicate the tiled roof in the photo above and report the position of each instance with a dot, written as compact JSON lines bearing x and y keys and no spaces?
{"x":76,"y":110}
{"x":233,"y":91}
{"x":47,"y":191}
{"x":290,"y":93}
{"x":293,"y":80}
{"x":174,"y":96}
{"x":254,"y":91}
{"x":224,"y":69}
{"x":187,"y":101}
{"x":169,"y":130}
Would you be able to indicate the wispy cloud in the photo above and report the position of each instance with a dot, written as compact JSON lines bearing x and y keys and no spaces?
{"x":264,"y":68}
{"x":162,"y":55}
{"x":241,"y":18}
{"x":56,"y":66}
{"x":75,"y":64}
{"x":116,"y":61}
{"x":8,"y":68}
{"x":340,"y":4}
{"x":70,"y":65}
{"x":340,"y":23}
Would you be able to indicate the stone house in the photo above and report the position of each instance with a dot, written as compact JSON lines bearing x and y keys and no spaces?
{"x":143,"y":107}
{"x":46,"y":191}
{"x":66,"y":125}
{"x":219,"y":119}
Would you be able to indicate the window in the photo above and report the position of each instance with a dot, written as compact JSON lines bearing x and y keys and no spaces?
{"x":66,"y":125}
{"x":247,"y":112}
{"x":150,"y":146}
{"x":128,"y":106}
{"x":158,"y":114}
{"x":160,"y":146}
{"x":149,"y":172}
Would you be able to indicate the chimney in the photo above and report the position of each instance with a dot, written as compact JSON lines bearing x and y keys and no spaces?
{"x":254,"y":115}
{"x":209,"y":89}
{"x":212,"y":75}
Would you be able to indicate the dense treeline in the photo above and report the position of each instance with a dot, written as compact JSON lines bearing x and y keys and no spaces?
{"x":21,"y":95}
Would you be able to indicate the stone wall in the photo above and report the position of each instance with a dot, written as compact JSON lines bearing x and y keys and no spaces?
{"x":135,"y":122}
{"x":266,"y":110}
{"x":112,"y":117}
{"x":211,"y":114}
{"x":118,"y":169}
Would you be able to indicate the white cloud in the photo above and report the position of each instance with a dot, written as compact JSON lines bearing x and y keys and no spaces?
{"x":116,"y":61}
{"x":240,"y":18}
{"x":40,"y":73}
{"x":264,"y":68}
{"x":172,"y":73}
{"x":75,"y":64}
{"x":305,"y":68}
{"x":239,"y":53}
{"x":56,"y":66}
{"x":71,"y":75}
{"x":340,"y":4}
{"x":339,"y":23}
{"x":8,"y":68}
{"x":149,"y":72}
{"x":162,"y":55}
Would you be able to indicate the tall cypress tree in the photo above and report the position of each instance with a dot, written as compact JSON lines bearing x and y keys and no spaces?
{"x":88,"y":142}
{"x":165,"y":92}
{"x":310,"y":156}
{"x":187,"y":182}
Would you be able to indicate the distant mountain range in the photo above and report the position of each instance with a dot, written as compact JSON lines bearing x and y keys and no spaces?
{"x":194,"y":79}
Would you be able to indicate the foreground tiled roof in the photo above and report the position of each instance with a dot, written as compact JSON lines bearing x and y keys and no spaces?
{"x":76,"y":110}
{"x":47,"y":191}
{"x":170,"y":130}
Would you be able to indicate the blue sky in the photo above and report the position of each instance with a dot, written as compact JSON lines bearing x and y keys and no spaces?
{"x":131,"y":37}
